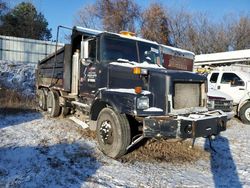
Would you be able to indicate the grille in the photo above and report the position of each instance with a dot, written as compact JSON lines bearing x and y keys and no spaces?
{"x":187,"y":95}
{"x":224,"y":105}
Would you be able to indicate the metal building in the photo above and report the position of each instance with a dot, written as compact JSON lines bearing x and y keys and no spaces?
{"x":25,"y":50}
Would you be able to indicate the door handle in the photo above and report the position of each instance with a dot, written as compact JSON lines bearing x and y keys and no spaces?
{"x":241,"y":89}
{"x":218,"y":87}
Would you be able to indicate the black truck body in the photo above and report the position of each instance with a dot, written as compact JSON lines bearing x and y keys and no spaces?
{"x":118,"y":83}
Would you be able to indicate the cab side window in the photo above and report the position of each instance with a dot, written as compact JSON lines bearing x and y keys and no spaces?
{"x":214,"y":77}
{"x":231,"y":78}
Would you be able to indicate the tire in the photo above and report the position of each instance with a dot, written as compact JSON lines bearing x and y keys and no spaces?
{"x":113,"y":133}
{"x":53,"y":107}
{"x":245,"y":113}
{"x":42,"y":99}
{"x":65,"y":111}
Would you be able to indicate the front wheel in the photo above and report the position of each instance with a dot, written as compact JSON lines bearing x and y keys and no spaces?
{"x":113,"y":133}
{"x":245,"y":113}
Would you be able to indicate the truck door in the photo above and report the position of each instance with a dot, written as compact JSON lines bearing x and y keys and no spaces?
{"x":232,"y":85}
{"x":213,"y":80}
{"x":88,"y":71}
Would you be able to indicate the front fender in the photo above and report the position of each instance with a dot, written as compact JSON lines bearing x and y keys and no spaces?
{"x":122,"y":102}
{"x":243,"y":101}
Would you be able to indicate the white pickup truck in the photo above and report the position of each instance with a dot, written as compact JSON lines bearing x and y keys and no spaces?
{"x":218,"y":100}
{"x":237,"y":85}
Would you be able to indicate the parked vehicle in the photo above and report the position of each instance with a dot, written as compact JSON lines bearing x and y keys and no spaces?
{"x":183,"y":60}
{"x":116,"y":82}
{"x":235,"y":84}
{"x":218,"y":100}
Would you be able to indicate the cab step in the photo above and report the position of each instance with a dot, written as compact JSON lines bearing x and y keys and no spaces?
{"x":83,"y":124}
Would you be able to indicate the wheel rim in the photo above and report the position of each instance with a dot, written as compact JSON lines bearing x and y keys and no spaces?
{"x":40,"y":102}
{"x":39,"y":96}
{"x":247,"y":114}
{"x":49,"y":109}
{"x":49,"y":103}
{"x":106,"y":132}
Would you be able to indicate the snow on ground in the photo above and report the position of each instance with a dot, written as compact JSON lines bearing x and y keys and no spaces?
{"x":37,"y":151}
{"x":17,"y":75}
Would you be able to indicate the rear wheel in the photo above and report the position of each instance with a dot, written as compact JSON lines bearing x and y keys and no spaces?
{"x":42,"y":100}
{"x":245,"y":113}
{"x":113,"y":133}
{"x":53,"y":107}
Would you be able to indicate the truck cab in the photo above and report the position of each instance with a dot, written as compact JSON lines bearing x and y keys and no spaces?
{"x":116,"y":82}
{"x":235,"y":84}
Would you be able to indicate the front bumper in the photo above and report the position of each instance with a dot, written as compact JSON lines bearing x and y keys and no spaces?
{"x":230,"y":115}
{"x":192,"y":126}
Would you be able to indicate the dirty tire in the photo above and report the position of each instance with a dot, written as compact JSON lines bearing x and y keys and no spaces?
{"x":42,"y":100}
{"x":245,"y":113}
{"x":65,"y":111}
{"x":53,"y":107}
{"x":119,"y":133}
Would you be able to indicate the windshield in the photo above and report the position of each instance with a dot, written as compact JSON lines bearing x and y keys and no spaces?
{"x":121,"y":49}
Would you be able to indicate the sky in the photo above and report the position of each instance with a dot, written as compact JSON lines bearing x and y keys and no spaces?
{"x":63,"y":12}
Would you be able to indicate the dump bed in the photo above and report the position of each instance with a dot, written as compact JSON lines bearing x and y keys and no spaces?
{"x":55,"y":70}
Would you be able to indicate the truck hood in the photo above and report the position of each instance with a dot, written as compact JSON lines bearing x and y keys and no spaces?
{"x":161,"y":83}
{"x":158,"y":69}
{"x":212,"y":92}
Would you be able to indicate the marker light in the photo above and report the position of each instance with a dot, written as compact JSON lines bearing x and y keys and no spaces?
{"x":137,"y":70}
{"x":138,"y":90}
{"x":127,"y":33}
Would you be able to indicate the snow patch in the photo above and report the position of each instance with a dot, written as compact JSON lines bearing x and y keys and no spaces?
{"x":48,"y":152}
{"x":169,"y":49}
{"x":19,"y":76}
{"x":133,"y":64}
{"x":153,"y":109}
{"x":130,"y":91}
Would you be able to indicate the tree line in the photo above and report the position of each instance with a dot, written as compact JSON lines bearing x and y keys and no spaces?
{"x":179,"y":28}
{"x":23,"y":21}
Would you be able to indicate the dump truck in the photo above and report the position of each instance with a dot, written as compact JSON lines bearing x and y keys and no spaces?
{"x":115,"y":84}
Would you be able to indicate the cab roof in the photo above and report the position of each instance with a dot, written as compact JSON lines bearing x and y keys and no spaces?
{"x":177,"y":51}
{"x":93,"y":32}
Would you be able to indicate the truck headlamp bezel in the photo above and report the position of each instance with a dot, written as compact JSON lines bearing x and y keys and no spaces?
{"x":142,"y":103}
{"x":210,"y":104}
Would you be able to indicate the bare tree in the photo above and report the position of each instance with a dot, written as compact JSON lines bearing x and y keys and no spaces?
{"x":87,"y":17}
{"x":110,"y":15}
{"x":118,"y":15}
{"x":154,"y":24}
{"x":240,"y":32}
{"x":195,"y":32}
{"x":181,"y":29}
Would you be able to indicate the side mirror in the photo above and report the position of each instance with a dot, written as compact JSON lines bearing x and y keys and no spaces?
{"x":84,"y":49}
{"x":84,"y":52}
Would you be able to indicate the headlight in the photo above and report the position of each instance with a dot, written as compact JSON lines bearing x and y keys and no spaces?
{"x":210,"y":104}
{"x":143,"y":102}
